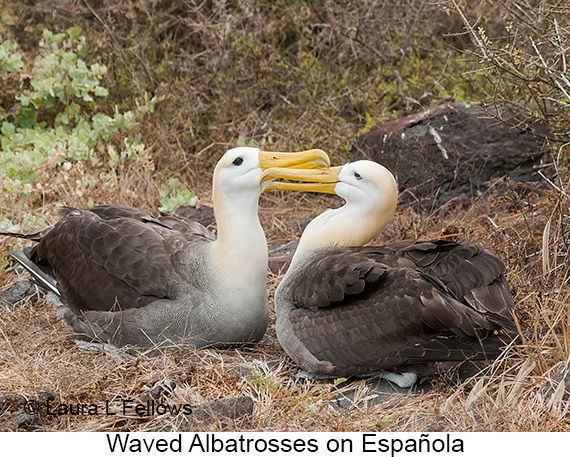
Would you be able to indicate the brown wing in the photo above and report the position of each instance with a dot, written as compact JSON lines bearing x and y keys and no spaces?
{"x":117,"y":257}
{"x":469,"y":272}
{"x":187,"y":227}
{"x":366,"y":309}
{"x":328,"y":279}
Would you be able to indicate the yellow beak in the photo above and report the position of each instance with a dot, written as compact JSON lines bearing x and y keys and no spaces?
{"x":312,"y":158}
{"x":312,"y":180}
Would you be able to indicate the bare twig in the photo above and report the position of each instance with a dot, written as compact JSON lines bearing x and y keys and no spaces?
{"x":472,"y":32}
{"x":553,"y":185}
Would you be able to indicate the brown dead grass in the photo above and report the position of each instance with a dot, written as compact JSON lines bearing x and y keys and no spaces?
{"x":38,"y":354}
{"x":288,"y":77}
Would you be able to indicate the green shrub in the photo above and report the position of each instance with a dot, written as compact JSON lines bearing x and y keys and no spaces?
{"x":526,"y":61}
{"x":175,"y":194}
{"x":54,"y":119}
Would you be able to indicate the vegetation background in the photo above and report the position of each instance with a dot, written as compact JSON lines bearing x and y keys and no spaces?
{"x":135,"y":101}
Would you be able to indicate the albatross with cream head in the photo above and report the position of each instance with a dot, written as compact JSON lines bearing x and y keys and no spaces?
{"x":346,"y":309}
{"x":127,"y":278}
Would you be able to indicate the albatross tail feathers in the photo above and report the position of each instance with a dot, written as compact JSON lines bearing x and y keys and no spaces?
{"x":35,"y":236}
{"x":40,"y":277}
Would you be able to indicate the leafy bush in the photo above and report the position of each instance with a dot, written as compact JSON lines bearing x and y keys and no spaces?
{"x":175,"y":194}
{"x":524,"y":56}
{"x":53,"y":118}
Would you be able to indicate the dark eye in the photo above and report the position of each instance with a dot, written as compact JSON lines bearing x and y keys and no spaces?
{"x":238,"y":161}
{"x":357,"y":176}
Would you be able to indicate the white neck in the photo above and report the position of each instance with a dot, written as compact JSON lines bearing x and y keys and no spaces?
{"x":240,"y":252}
{"x":349,"y":225}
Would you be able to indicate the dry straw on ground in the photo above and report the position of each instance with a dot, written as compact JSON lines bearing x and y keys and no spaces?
{"x":37,"y":353}
{"x":290,"y":75}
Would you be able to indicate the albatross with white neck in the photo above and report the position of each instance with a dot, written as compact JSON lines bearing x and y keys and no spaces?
{"x":345,"y":309}
{"x":127,"y":278}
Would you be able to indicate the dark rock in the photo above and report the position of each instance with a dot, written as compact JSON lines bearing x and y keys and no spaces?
{"x":27,"y":420}
{"x":379,"y":392}
{"x":449,"y":153}
{"x":280,"y":255}
{"x":17,"y":292}
{"x":556,"y":391}
{"x":45,"y":395}
{"x":158,"y":392}
{"x":439,"y":425}
{"x":297,"y":226}
{"x":553,"y":384}
{"x":223,"y":411}
{"x":11,"y":402}
{"x":232,"y":408}
{"x":204,"y":214}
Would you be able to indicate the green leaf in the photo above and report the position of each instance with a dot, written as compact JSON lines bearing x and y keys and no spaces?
{"x":69,"y":58}
{"x":74,"y":32}
{"x":24,"y":99}
{"x":26,"y":118}
{"x":72,"y":110}
{"x":10,"y":60}
{"x":82,"y":50}
{"x":176,"y":195}
{"x":47,"y":34}
{"x":8,"y":129}
{"x":119,"y":121}
{"x":113,"y":156}
{"x":101,"y":91}
{"x":7,"y":18}
{"x":62,"y":117}
{"x":57,"y":38}
{"x":6,"y":144}
{"x":241,"y":141}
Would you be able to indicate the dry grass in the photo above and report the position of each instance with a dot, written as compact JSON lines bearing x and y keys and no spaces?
{"x":286,"y":77}
{"x":37,"y":352}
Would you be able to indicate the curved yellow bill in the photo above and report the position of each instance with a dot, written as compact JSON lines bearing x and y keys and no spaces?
{"x":313,"y":180}
{"x":312,"y":158}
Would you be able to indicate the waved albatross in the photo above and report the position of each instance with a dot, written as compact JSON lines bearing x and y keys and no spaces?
{"x":344,"y":309}
{"x":127,"y":278}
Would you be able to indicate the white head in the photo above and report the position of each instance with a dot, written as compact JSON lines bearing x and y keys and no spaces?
{"x":371,"y":189}
{"x":237,"y":184}
{"x":371,"y":195}
{"x":238,"y":171}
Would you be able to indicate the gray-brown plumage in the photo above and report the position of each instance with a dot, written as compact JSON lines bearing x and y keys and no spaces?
{"x":358,"y":311}
{"x":132,"y":257}
{"x":343,"y":309}
{"x":127,"y":278}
